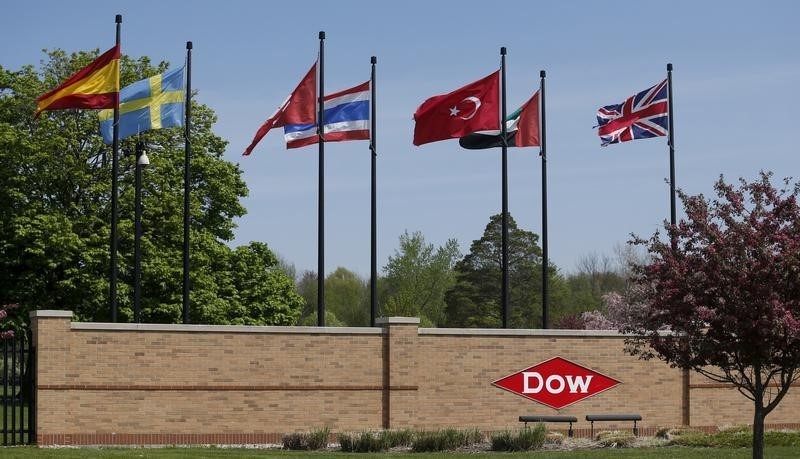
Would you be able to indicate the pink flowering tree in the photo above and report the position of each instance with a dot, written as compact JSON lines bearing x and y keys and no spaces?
{"x":5,"y":334}
{"x":622,"y":311}
{"x":727,"y":286}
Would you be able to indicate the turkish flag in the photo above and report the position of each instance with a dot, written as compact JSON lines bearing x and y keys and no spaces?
{"x":474,"y":107}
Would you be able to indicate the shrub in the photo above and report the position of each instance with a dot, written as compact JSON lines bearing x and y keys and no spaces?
{"x":525,"y":439}
{"x":692,"y":439}
{"x":364,"y":442}
{"x":445,"y":440}
{"x":294,"y":441}
{"x":346,"y":442}
{"x":668,"y":433}
{"x":733,"y":437}
{"x":394,"y":438}
{"x":316,"y":439}
{"x":615,"y":438}
{"x":502,"y":441}
{"x":782,"y":438}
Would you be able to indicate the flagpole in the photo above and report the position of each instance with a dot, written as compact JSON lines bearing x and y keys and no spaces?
{"x":137,"y":235}
{"x":114,"y":192}
{"x":671,"y":147}
{"x":373,"y":146}
{"x":543,"y":152}
{"x":187,"y":154}
{"x":504,"y":139}
{"x":685,"y":376}
{"x":321,"y":216}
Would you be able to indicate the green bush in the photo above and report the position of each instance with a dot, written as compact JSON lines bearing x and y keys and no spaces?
{"x":445,"y":440}
{"x":668,"y":433}
{"x":318,"y":439}
{"x":782,"y":438}
{"x":346,"y":442}
{"x":737,"y":437}
{"x":734,"y":437}
{"x":394,"y":438}
{"x":364,"y":442}
{"x":314,"y":440}
{"x":525,"y":439}
{"x":616,"y":439}
{"x":692,"y":439}
{"x":294,"y":441}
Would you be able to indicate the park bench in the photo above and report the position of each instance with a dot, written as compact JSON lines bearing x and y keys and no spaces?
{"x":570,"y":419}
{"x":614,"y":417}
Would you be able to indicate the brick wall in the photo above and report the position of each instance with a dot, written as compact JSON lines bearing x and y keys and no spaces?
{"x":173,"y":384}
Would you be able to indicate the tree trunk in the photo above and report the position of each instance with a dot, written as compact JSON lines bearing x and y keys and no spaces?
{"x":758,"y":432}
{"x":758,"y":416}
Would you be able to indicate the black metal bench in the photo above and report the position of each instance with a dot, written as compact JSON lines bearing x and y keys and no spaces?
{"x":570,"y":419}
{"x":614,"y":417}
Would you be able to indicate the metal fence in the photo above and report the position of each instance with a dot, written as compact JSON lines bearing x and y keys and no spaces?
{"x":17,"y":399}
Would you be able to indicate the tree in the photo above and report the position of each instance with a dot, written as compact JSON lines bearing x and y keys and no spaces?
{"x":55,"y":210}
{"x":307,"y":288}
{"x":475,"y":299}
{"x":347,"y":296}
{"x":9,"y":333}
{"x":620,"y":310}
{"x":729,"y":291}
{"x":417,"y":277}
{"x":596,"y":275}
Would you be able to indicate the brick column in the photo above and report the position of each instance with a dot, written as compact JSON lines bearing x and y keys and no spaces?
{"x":51,"y":340}
{"x":400,"y":378}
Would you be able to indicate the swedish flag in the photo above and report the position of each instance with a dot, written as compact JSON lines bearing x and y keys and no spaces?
{"x":153,"y":103}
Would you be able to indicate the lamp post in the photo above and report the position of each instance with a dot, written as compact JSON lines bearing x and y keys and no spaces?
{"x":141,"y":161}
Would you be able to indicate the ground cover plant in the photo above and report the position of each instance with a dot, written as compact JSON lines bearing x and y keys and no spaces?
{"x":525,"y":439}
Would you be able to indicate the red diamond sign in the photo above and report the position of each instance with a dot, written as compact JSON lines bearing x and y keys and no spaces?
{"x":556,"y":383}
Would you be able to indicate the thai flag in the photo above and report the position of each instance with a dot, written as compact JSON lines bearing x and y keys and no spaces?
{"x":346,"y":118}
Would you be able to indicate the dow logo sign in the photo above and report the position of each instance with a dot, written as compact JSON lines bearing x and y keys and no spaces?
{"x":556,"y":383}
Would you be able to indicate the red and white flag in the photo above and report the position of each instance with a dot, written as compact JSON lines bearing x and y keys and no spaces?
{"x":299,"y":108}
{"x":474,"y":107}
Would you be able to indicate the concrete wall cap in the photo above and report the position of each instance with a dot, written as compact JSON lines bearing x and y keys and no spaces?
{"x":225,"y":328}
{"x":49,"y":313}
{"x":397,"y":320}
{"x":518,"y":332}
{"x":531,"y":332}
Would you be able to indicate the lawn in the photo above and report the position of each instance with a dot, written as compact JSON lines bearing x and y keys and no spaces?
{"x":645,"y":453}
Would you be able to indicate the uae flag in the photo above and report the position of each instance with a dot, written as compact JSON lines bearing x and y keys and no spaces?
{"x":522,"y":129}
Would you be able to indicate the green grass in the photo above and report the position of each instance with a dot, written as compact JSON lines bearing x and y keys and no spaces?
{"x":784,"y":452}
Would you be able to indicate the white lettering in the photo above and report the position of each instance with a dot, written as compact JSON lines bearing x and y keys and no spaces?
{"x":579,"y":383}
{"x":526,"y":388}
{"x":550,"y":387}
{"x":554,"y":384}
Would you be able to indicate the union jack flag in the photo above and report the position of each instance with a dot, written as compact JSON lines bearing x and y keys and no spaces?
{"x":641,"y":116}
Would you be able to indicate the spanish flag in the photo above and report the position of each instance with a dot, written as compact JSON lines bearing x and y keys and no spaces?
{"x":95,"y":86}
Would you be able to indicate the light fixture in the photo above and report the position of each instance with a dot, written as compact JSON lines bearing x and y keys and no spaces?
{"x":143,"y":159}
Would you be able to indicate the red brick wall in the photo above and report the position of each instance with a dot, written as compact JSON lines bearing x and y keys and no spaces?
{"x":173,"y":384}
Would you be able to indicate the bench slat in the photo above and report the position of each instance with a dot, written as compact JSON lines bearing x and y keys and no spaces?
{"x":548,"y":419}
{"x":613,"y":417}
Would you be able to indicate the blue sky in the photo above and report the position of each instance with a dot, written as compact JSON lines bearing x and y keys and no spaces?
{"x":736,"y":68}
